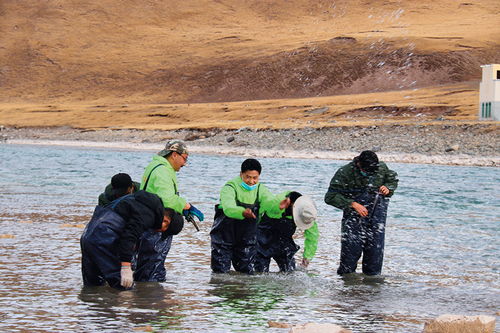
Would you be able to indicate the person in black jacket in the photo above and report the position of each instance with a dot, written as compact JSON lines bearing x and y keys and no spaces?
{"x":110,"y":239}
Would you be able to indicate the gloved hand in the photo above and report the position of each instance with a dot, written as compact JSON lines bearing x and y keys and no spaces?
{"x":127,"y":276}
{"x":195,"y":212}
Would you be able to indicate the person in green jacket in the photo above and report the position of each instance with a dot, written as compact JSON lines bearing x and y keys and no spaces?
{"x":160,"y":178}
{"x":362,"y":190}
{"x":275,"y":233}
{"x":233,"y":234}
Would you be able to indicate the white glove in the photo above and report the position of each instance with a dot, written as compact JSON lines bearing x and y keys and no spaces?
{"x":127,"y":276}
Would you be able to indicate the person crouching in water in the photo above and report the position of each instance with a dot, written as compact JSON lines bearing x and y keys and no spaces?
{"x":110,"y":238}
{"x":275,"y":233}
{"x":233,"y":234}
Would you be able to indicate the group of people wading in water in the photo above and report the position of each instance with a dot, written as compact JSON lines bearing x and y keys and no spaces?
{"x":130,"y":233}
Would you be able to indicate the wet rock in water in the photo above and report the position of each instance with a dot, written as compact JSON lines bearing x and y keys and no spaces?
{"x":230,"y":139}
{"x":449,"y":323}
{"x":277,"y":324}
{"x":319,"y":328}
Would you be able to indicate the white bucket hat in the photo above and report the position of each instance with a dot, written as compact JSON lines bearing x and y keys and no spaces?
{"x":304,"y":212}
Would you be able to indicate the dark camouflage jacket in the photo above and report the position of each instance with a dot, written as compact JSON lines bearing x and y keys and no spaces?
{"x":348,"y":183}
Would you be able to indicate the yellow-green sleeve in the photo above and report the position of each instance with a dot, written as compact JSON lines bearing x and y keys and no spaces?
{"x":228,"y":203}
{"x":311,"y":236}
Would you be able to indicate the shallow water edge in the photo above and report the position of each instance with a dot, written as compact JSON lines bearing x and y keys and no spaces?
{"x":442,"y":159}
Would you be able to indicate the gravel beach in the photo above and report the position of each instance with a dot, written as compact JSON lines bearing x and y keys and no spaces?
{"x":476,"y":144}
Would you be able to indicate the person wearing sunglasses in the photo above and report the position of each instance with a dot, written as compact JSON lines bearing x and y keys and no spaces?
{"x":160,"y":178}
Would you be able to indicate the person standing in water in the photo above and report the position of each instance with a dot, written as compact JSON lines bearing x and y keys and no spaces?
{"x":362,"y":190}
{"x":233,"y":234}
{"x":160,"y":178}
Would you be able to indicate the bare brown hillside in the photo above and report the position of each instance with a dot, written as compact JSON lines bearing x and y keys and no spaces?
{"x":111,"y":52}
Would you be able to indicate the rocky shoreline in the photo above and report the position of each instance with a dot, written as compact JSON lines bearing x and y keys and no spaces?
{"x":467,"y":144}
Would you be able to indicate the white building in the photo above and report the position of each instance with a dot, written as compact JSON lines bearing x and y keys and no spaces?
{"x":489,"y":93}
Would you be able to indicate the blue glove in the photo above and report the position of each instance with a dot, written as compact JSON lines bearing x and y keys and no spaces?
{"x":195,"y":212}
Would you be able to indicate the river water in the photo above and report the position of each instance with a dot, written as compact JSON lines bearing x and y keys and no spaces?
{"x":441,"y":256}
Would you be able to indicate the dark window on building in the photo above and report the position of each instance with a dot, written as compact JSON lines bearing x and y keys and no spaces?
{"x":498,"y":75}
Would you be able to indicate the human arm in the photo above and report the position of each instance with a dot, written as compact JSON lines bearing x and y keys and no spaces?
{"x":311,"y":237}
{"x":390,"y":180}
{"x":133,"y":229}
{"x":339,"y":188}
{"x":228,"y":202}
{"x":273,"y":205}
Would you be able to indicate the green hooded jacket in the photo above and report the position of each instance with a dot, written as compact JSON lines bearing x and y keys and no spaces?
{"x":233,"y":189}
{"x":348,"y":183}
{"x":311,"y":235}
{"x":163,"y":182}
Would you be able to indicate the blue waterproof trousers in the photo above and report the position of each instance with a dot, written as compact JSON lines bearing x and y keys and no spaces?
{"x":275,"y":241}
{"x":364,"y":236}
{"x":99,"y":245}
{"x":150,"y":258}
{"x":100,"y":257}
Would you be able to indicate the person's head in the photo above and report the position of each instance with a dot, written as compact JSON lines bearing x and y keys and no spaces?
{"x":176,"y":153}
{"x":121,"y":183}
{"x":172,"y":223}
{"x":367,"y":161}
{"x":250,"y":171}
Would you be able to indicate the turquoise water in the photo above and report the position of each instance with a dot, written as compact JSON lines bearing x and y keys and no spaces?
{"x":441,"y":255}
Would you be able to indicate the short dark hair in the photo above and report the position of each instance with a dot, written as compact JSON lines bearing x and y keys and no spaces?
{"x":120,"y":183}
{"x":368,"y":161}
{"x":251,"y":164}
{"x":294,"y":196}
{"x":176,"y":223}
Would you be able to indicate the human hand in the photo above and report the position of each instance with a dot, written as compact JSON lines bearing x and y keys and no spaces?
{"x":195,"y":212}
{"x":305,"y":262}
{"x":360,"y":209}
{"x":285,"y":203}
{"x":248,"y":214}
{"x":383,"y":190}
{"x":127,"y":276}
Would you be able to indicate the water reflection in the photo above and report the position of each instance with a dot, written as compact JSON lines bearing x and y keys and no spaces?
{"x":149,"y":304}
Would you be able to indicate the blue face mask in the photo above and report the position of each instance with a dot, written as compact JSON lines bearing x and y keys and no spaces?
{"x":248,"y":187}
